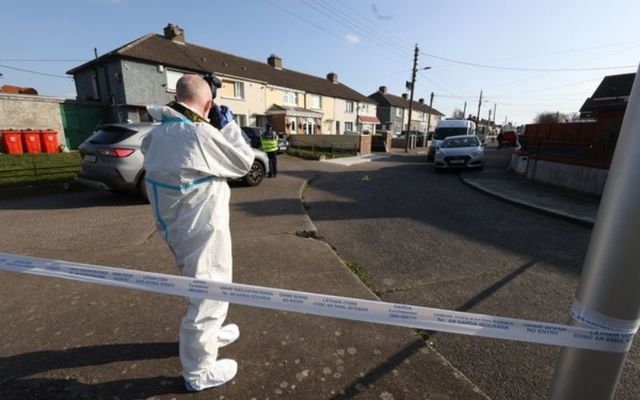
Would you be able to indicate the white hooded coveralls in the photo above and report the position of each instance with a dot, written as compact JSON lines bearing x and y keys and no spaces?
{"x":187,"y":165}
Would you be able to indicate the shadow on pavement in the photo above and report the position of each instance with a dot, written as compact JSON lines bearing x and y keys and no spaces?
{"x":486,"y":293}
{"x":14,"y":370}
{"x":355,"y":387}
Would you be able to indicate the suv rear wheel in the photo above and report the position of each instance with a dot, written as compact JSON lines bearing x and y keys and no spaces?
{"x":255,"y":174}
{"x":141,"y":189}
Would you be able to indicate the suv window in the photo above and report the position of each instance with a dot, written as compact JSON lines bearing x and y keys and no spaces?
{"x":111,"y":135}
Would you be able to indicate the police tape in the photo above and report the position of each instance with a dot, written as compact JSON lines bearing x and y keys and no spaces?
{"x":610,"y":340}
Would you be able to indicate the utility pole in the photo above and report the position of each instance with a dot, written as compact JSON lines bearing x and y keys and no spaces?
{"x":494,"y":113}
{"x":424,"y":142}
{"x":413,"y":84}
{"x":479,"y":104}
{"x":607,"y":294}
{"x":464,"y":112}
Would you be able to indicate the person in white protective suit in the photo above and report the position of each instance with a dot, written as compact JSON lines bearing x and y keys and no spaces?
{"x":187,"y":163}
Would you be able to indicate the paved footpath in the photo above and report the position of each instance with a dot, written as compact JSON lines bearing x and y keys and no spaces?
{"x":69,"y":340}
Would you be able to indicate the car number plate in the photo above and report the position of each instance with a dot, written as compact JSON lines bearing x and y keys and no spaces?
{"x":91,"y":158}
{"x":456,"y":162}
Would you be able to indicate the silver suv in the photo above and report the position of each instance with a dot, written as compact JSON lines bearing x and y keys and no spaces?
{"x":112,"y":160}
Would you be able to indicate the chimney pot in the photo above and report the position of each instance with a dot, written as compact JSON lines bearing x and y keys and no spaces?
{"x":333,"y":77}
{"x":174,"y":33}
{"x":421,"y":101}
{"x":275,"y":61}
{"x":405,"y":96}
{"x":382,"y":89}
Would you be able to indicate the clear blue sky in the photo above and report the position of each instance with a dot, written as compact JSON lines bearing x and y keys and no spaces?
{"x":367,"y":43}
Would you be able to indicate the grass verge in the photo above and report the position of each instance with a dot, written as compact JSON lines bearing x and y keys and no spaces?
{"x":35,"y":169}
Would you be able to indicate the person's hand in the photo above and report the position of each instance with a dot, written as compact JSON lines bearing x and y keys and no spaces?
{"x":220,"y":116}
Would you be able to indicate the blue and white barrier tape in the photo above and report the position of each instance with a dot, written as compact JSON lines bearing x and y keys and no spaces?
{"x":610,"y":340}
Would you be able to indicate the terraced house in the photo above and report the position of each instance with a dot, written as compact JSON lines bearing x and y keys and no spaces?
{"x":393,"y":112}
{"x":146,"y":70}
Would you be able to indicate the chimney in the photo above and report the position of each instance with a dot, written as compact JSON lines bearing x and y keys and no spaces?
{"x":405,"y":96}
{"x":333,"y":77}
{"x":421,"y":101}
{"x":174,"y":33}
{"x":382,"y":89}
{"x":275,"y":61}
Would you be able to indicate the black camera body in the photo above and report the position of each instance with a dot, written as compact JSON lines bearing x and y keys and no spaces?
{"x":214,"y":83}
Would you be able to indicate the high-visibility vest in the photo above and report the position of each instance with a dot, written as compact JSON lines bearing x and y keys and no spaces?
{"x":269,"y":142}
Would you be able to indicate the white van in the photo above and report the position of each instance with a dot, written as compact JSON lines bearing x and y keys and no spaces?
{"x":449,"y":127}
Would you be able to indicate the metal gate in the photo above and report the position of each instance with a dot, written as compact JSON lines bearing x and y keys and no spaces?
{"x":81,"y":120}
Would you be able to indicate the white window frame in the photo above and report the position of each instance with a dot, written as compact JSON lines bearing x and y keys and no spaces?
{"x":399,"y":112}
{"x":317,"y":97}
{"x":365,"y":107}
{"x":172,"y":76}
{"x":238,"y":94}
{"x":240,"y":119}
{"x":288,"y":96}
{"x":347,"y":108}
{"x":348,"y":126}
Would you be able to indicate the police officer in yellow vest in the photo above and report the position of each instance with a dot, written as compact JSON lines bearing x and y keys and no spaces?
{"x":269,"y":141}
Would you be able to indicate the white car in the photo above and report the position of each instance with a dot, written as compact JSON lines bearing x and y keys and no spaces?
{"x":459,"y":152}
{"x":446,"y":128}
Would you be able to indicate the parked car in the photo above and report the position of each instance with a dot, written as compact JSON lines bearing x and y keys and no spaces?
{"x":254,"y":134}
{"x":112,"y":160}
{"x":283,"y":143}
{"x":446,"y":128}
{"x":459,"y":152}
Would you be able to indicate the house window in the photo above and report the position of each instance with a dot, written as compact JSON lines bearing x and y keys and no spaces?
{"x":365,"y":108}
{"x":349,"y":106}
{"x":316,"y":101}
{"x":240,"y":119}
{"x":172,"y":79}
{"x":399,"y":112}
{"x":238,"y":90}
{"x":348,"y":126}
{"x":290,"y":98}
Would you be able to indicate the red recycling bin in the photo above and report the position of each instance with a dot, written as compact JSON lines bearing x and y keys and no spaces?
{"x":12,"y":141}
{"x":31,"y":141}
{"x":49,"y":141}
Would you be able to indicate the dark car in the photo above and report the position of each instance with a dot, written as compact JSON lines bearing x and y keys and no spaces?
{"x":254,"y":134}
{"x":283,"y":143}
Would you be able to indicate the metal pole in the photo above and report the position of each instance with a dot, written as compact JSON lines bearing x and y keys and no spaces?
{"x":464,"y":112}
{"x":608,"y":289}
{"x":413,"y":83}
{"x":494,"y":113}
{"x":424,"y":143}
{"x":479,"y":104}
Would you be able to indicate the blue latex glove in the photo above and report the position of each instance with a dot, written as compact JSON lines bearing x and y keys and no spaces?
{"x":224,"y":114}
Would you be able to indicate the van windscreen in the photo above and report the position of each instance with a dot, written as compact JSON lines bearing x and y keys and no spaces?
{"x":442,"y":133}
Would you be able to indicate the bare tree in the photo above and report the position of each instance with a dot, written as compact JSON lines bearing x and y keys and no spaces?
{"x":458,"y":114}
{"x":548,"y":117}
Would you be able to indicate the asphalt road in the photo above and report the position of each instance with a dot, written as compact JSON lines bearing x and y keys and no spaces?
{"x":428,"y":239}
{"x":62,"y":340}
